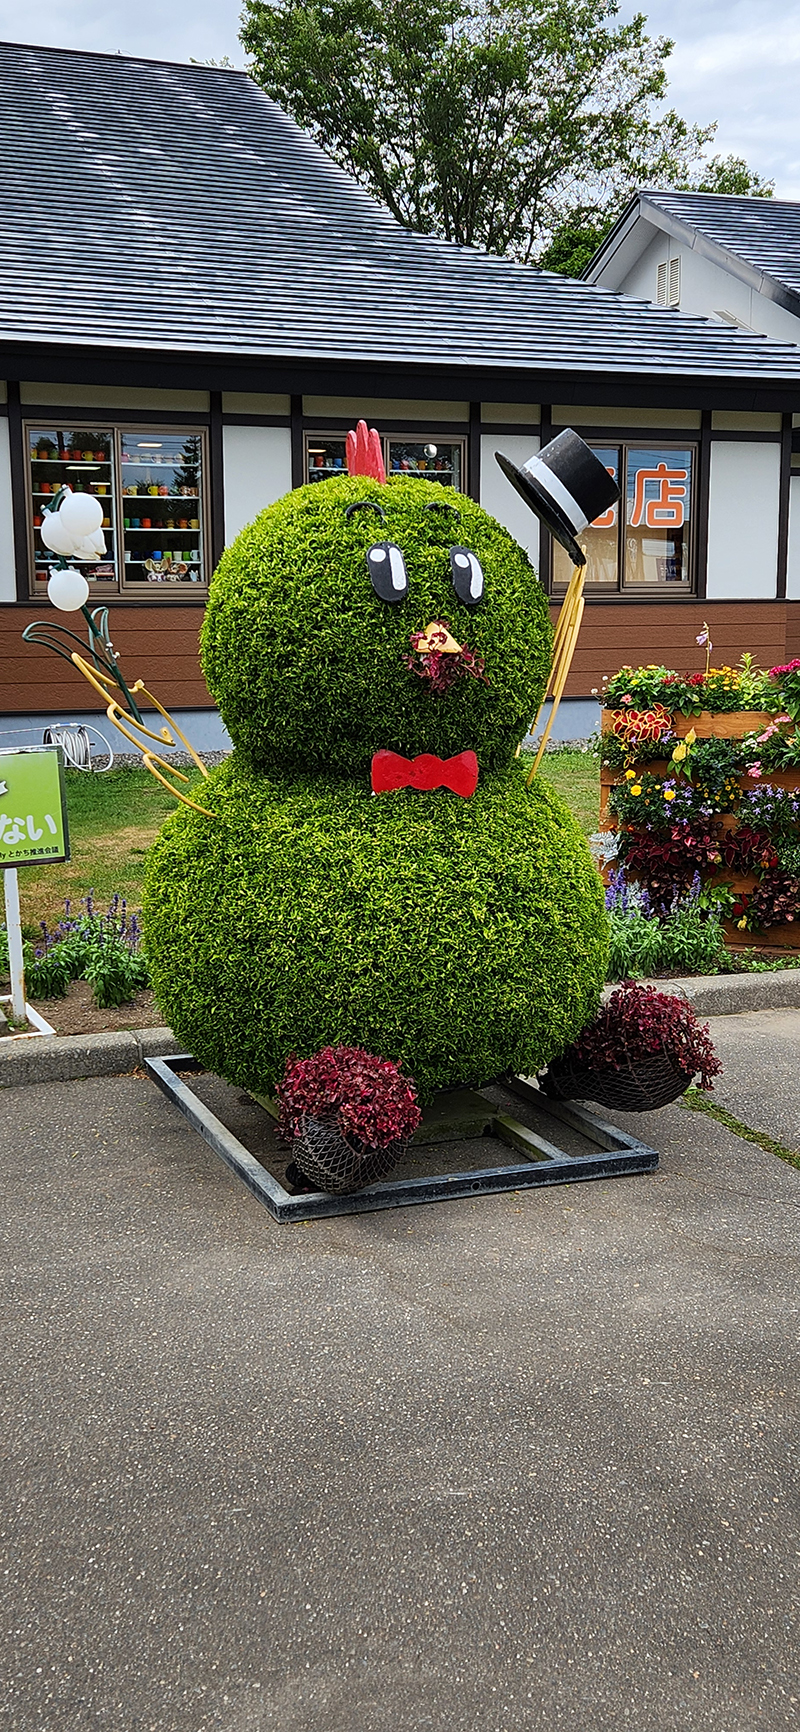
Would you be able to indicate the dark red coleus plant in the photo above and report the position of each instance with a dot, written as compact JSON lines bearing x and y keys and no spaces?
{"x":368,"y":1098}
{"x":638,"y":1023}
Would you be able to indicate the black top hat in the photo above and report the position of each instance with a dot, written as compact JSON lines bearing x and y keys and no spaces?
{"x":566,"y":485}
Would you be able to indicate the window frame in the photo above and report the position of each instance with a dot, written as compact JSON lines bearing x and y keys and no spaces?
{"x":632,"y":591}
{"x":130,"y":593}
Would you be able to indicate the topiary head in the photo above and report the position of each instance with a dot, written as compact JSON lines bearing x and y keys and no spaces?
{"x":314,"y":640}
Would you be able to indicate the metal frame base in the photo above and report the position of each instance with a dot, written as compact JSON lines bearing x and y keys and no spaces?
{"x":544,"y":1163}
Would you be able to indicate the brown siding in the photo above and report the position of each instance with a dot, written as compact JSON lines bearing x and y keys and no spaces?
{"x":156,"y":644}
{"x":159,"y":646}
{"x":615,"y":633}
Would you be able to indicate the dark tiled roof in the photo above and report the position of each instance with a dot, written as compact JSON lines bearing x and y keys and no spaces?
{"x":156,"y":206}
{"x":762,"y":233}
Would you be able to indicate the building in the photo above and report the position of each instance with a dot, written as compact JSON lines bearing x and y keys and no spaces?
{"x":195,"y":306}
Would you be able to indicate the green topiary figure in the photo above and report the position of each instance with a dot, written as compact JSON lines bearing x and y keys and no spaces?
{"x":461,"y":933}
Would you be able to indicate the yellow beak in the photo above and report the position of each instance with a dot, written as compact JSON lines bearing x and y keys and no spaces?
{"x":437,"y":637}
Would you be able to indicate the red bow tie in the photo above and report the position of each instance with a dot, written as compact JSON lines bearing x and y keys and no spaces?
{"x":460,"y":774}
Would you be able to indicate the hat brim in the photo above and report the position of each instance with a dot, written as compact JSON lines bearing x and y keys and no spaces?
{"x":544,"y":507}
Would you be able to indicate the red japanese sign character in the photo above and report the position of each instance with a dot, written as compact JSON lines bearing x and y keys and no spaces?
{"x":666,"y":510}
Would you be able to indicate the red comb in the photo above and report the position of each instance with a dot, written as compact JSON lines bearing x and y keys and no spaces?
{"x":364,"y":453}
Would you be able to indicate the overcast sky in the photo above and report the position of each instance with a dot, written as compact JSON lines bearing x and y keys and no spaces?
{"x":735,"y":61}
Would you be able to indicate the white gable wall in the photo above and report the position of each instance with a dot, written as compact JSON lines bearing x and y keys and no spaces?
{"x":707,"y":288}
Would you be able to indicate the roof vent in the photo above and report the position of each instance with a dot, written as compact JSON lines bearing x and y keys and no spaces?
{"x":669,"y":283}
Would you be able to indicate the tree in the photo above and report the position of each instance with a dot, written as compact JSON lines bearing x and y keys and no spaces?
{"x":520,"y":126}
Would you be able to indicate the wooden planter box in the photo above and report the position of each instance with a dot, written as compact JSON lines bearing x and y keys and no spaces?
{"x":732,"y":726}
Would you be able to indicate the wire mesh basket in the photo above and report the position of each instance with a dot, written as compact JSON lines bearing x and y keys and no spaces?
{"x":640,"y":1086}
{"x":336,"y":1166}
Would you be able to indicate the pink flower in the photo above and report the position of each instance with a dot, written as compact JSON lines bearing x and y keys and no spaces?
{"x":767,"y":734}
{"x":703,"y":638}
{"x":754,"y":771}
{"x":626,"y":698}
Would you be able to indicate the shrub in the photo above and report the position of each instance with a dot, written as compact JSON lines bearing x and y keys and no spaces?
{"x":638,"y":1022}
{"x":368,"y":1098}
{"x":460,"y":938}
{"x":309,"y":667}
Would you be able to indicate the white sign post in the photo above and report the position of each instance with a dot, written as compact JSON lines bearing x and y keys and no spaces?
{"x":14,"y":932}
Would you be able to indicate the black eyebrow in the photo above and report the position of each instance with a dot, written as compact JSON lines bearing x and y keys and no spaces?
{"x":442,"y":505}
{"x":366,"y":505}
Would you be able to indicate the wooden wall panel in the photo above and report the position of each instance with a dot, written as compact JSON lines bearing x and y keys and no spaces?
{"x":615,"y":633}
{"x":156,"y":644}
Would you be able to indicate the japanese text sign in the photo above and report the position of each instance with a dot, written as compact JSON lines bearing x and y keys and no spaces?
{"x":659,"y":499}
{"x":33,"y":814}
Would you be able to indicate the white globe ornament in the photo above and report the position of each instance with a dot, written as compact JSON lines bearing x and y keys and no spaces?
{"x":55,"y":534}
{"x":91,"y":547}
{"x":81,"y":514}
{"x":68,"y":590}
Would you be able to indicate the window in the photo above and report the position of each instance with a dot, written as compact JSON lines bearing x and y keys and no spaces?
{"x":429,"y":456}
{"x":151,"y":485}
{"x":650,"y":549}
{"x":668,"y":286}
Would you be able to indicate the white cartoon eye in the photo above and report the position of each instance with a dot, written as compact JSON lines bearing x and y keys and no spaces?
{"x":387,"y":570}
{"x":467,"y":576}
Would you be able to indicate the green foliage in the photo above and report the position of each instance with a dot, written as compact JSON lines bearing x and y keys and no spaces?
{"x":510,"y":125}
{"x":722,"y":690}
{"x":309,"y":667}
{"x":460,"y":938}
{"x":730,"y":174}
{"x":687,"y":940}
{"x":104,"y":949}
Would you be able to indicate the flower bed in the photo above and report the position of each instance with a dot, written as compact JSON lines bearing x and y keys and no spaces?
{"x":705,"y":789}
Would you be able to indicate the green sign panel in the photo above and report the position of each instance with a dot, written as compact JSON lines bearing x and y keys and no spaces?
{"x":33,"y":813}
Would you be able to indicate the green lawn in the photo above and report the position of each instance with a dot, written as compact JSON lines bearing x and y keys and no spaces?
{"x":576,"y":777}
{"x":114,"y":818}
{"x":112,"y":821}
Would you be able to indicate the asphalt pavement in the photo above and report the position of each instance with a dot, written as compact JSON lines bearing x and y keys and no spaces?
{"x":522,"y":1461}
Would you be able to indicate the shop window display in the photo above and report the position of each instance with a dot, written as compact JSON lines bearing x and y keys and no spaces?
{"x":651,"y":548}
{"x":151,"y":485}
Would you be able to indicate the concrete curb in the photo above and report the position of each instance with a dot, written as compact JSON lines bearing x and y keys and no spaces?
{"x":734,"y":994}
{"x":64,"y":1057}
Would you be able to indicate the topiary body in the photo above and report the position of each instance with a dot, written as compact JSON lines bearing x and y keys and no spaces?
{"x":460,"y":937}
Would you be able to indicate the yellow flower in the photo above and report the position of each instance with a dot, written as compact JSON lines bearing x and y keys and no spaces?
{"x":630,"y":775}
{"x":742,"y":925}
{"x":669,"y":793}
{"x":691,"y":737}
{"x":679,"y":754}
{"x":637,"y":788}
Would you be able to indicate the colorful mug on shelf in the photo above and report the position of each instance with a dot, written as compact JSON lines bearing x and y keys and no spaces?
{"x":136,"y":523}
{"x":146,"y":523}
{"x":152,"y":488}
{"x":183,"y":523}
{"x":102,"y":486}
{"x":88,"y":456}
{"x":170,"y":523}
{"x":319,"y":461}
{"x":163,"y":491}
{"x":126,"y":523}
{"x":45,"y":487}
{"x":194,"y":523}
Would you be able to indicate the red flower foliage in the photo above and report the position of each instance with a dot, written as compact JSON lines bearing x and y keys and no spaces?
{"x":440,"y":669}
{"x":776,"y":902}
{"x":788,"y":668}
{"x":747,"y":850}
{"x":371,"y":1101}
{"x":666,"y":865}
{"x":637,"y":1023}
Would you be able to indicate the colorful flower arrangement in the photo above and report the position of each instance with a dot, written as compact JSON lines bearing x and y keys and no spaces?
{"x":705,"y":807}
{"x":638,"y":1023}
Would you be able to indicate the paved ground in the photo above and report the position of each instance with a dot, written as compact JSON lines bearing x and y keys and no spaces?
{"x":523,"y":1462}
